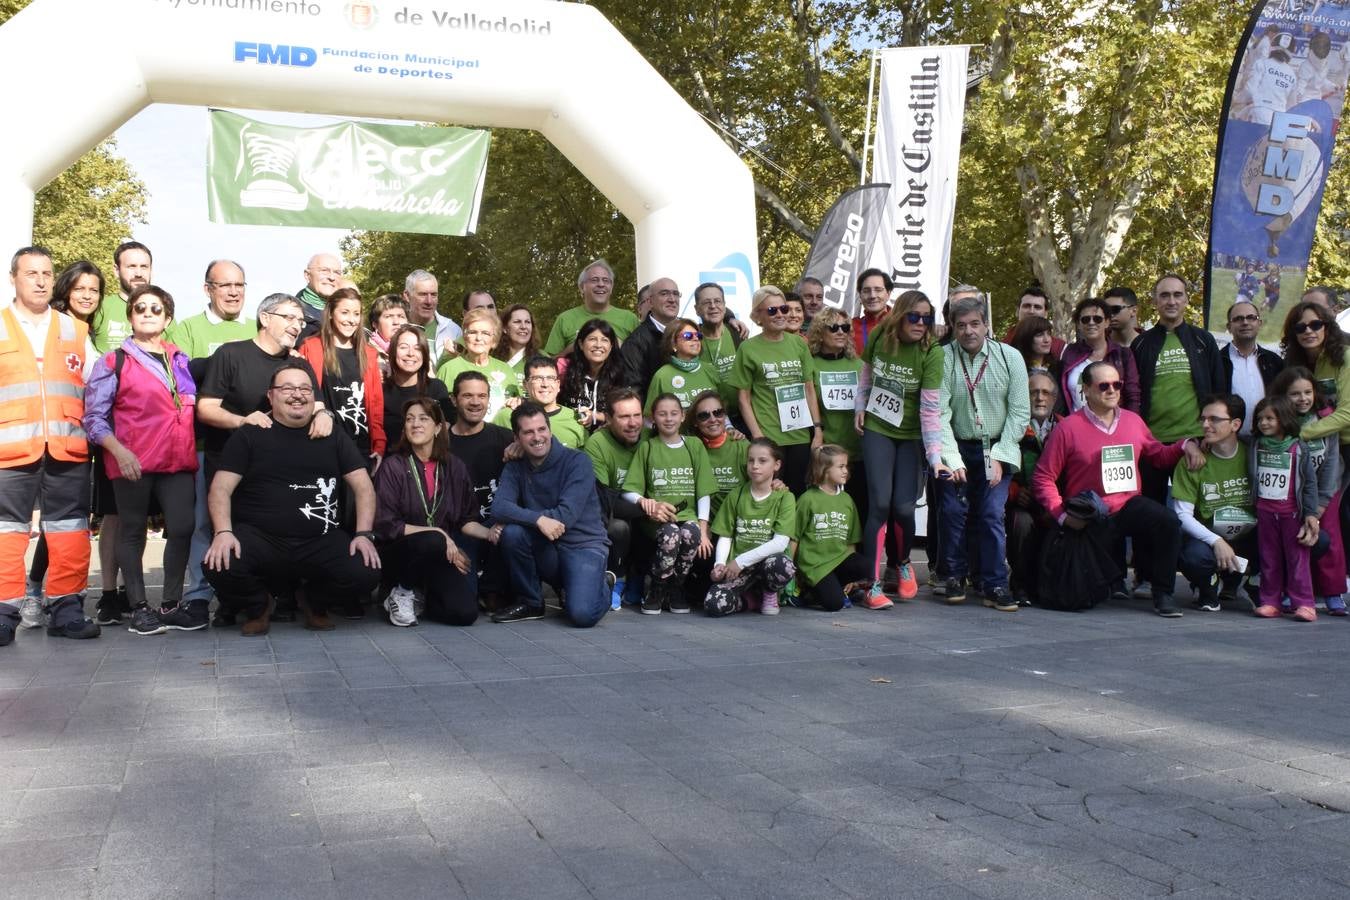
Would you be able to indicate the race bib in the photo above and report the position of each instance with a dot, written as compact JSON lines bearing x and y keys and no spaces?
{"x":1317,"y":452}
{"x":838,"y":390}
{"x":793,"y":413}
{"x":1272,"y":474}
{"x":887,"y":401}
{"x":1232,"y":521}
{"x":1119,"y":473}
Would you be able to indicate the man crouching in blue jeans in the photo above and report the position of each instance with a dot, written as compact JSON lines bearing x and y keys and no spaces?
{"x":553,"y":528}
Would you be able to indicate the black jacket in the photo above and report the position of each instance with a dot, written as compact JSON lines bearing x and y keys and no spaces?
{"x":641,"y":354}
{"x":1267,"y":361}
{"x":1207,"y":374}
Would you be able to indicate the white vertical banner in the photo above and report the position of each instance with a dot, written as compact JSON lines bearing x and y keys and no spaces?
{"x":918,"y":148}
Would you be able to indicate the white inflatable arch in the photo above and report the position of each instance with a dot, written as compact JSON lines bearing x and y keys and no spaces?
{"x":72,"y":71}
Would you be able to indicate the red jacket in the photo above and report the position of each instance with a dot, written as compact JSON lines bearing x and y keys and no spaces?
{"x":312,"y":350}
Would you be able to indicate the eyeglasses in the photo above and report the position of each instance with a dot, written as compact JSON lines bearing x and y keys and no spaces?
{"x":1104,"y":386}
{"x":543,"y":379}
{"x":1215,"y":420}
{"x":914,"y":318}
{"x":840,"y":326}
{"x":690,"y":336}
{"x":1091,"y":320}
{"x":776,"y":310}
{"x":1314,"y":325}
{"x":1250,"y":317}
{"x":704,"y":415}
{"x":153,"y":309}
{"x":302,"y":390}
{"x":227,"y":285}
{"x":292,"y":319}
{"x":324,"y":270}
{"x":668,"y":292}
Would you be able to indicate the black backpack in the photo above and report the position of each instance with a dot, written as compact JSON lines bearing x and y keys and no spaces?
{"x":1077,"y":569}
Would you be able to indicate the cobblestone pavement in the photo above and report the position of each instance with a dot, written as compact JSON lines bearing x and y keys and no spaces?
{"x":927,"y":751}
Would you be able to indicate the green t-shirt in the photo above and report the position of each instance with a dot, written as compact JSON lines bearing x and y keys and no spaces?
{"x":750,"y":522}
{"x":610,"y":459}
{"x":827,"y":531}
{"x":1221,"y":491}
{"x":836,"y":386}
{"x":675,"y":475}
{"x":685,"y":385}
{"x":501,"y":380}
{"x":728,"y":466}
{"x":776,"y":373}
{"x":568,"y":323}
{"x":110,"y":326}
{"x":720,"y":353}
{"x":1174,"y":411}
{"x":909,"y":369}
{"x":562,"y":422}
{"x":201,"y":335}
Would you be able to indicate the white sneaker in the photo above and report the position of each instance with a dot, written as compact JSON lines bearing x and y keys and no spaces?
{"x":31,"y":614}
{"x":399,"y":605}
{"x":1143,"y":590}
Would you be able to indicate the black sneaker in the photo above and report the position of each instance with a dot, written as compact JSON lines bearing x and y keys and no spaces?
{"x":519,"y":613}
{"x":955,"y":591}
{"x":66,"y":618}
{"x":146,"y":621}
{"x":679,"y":603}
{"x":1206,"y":600}
{"x":8,"y":625}
{"x":123,"y":603}
{"x":190,"y":616}
{"x":998,"y":598}
{"x":651,"y":603}
{"x":353,"y":609}
{"x":108,"y":611}
{"x":1165,"y":606}
{"x":224,"y":619}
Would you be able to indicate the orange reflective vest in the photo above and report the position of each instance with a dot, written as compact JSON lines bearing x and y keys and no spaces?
{"x":42,"y":410}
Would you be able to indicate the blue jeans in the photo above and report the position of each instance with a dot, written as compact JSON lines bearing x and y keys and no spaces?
{"x":982,"y":508}
{"x":579,"y":574}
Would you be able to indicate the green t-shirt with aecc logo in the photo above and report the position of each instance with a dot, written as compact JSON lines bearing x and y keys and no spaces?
{"x":720,"y":353}
{"x":198,"y":336}
{"x":750,"y":522}
{"x":501,"y":380}
{"x":675,"y":475}
{"x":836,"y":386}
{"x":671,"y":379}
{"x":110,"y":325}
{"x":1174,"y":410}
{"x":827,"y":530}
{"x":909,"y":368}
{"x":569,"y":322}
{"x":1221,"y":491}
{"x":776,"y":374}
{"x":728,"y":466}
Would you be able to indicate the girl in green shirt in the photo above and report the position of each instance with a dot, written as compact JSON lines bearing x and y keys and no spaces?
{"x":686,"y":375}
{"x":827,"y":535}
{"x":707,"y":420}
{"x":671,"y":480}
{"x":754,"y":528}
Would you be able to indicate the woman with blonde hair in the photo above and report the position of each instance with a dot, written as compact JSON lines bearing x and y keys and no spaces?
{"x":482,"y":332}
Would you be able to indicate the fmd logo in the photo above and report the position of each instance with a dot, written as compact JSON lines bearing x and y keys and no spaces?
{"x":274,"y":54}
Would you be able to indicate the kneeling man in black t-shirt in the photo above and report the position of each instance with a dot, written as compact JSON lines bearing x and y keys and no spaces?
{"x":274,"y":510}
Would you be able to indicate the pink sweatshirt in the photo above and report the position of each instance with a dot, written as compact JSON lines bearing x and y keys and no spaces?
{"x":1073,"y":459}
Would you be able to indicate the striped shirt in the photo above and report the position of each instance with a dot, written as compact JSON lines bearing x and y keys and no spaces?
{"x":984,"y":397}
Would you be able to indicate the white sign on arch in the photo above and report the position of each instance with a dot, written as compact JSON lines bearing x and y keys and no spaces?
{"x":559,"y":68}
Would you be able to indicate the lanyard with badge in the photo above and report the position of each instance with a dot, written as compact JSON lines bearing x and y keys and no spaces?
{"x":975,"y":406}
{"x":428,"y":509}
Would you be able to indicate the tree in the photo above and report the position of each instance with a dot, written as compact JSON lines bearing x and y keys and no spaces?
{"x":87,"y":210}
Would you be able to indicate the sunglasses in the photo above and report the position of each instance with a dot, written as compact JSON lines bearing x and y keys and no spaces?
{"x":1091,"y":320}
{"x":1104,"y":386}
{"x":690,"y":336}
{"x":153,"y":308}
{"x":1114,"y":311}
{"x":776,"y":310}
{"x":704,"y":415}
{"x":840,"y":326}
{"x":914,"y":318}
{"x":1315,"y":325}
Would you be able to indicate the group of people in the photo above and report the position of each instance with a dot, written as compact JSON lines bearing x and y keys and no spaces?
{"x":332,"y":451}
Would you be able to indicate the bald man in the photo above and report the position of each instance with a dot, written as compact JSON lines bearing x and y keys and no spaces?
{"x":323,"y":276}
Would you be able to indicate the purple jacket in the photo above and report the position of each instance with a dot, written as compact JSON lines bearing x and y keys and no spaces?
{"x":149,"y":413}
{"x":1116,"y":355}
{"x":398,"y":501}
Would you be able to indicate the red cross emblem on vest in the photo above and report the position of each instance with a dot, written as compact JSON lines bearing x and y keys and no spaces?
{"x":73,"y":362}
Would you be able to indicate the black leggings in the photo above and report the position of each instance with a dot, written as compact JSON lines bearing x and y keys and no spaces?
{"x":176,"y":493}
{"x":796,"y":467}
{"x":828,"y":593}
{"x":418,"y":561}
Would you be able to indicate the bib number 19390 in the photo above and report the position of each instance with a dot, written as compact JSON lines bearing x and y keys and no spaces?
{"x":1119,"y":473}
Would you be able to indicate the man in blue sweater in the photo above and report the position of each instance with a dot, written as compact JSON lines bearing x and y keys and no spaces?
{"x":553,"y":529}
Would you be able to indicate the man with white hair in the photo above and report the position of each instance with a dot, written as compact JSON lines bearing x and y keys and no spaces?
{"x":596,"y":283}
{"x":323,"y":276}
{"x":422,"y":293}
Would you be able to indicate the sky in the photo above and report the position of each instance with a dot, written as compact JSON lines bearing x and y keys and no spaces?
{"x":166,"y":147}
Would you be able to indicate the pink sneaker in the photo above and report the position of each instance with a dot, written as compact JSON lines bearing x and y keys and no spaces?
{"x":876,"y":598}
{"x":1305,"y":614}
{"x":1268,"y":612}
{"x":769,"y":605}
